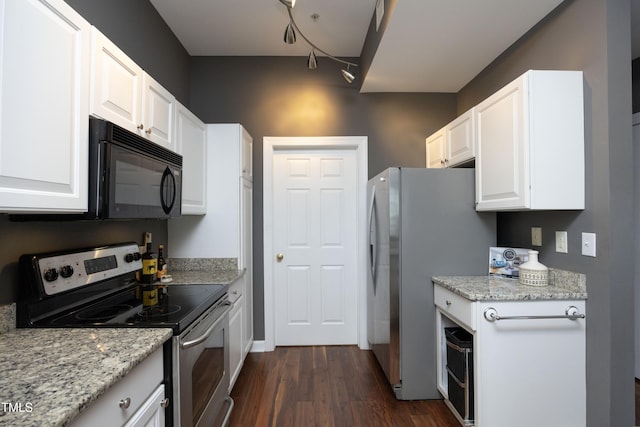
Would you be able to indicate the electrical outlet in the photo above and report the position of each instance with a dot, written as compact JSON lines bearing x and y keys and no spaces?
{"x":536,"y":236}
{"x":589,"y":244}
{"x":561,"y":242}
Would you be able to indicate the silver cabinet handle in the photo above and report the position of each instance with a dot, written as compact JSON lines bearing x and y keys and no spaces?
{"x":571,"y":313}
{"x":165,"y":402}
{"x":448,"y":302}
{"x":125,"y":403}
{"x":148,"y":131}
{"x":140,"y":126}
{"x":279,"y":257}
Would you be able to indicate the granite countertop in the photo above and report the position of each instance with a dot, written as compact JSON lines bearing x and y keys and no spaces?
{"x":196,"y":271}
{"x":197,"y":277}
{"x":563,"y":285}
{"x":54,"y":374}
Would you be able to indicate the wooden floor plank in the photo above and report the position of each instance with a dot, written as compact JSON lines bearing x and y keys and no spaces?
{"x":340,"y":386}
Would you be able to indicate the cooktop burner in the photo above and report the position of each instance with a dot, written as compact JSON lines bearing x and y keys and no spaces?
{"x":159,"y":310}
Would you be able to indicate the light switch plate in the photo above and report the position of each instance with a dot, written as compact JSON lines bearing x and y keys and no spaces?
{"x":536,"y":236}
{"x":561,"y":242}
{"x":589,"y":244}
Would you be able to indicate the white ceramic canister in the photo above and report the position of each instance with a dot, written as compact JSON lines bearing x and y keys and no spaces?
{"x":533,"y":273}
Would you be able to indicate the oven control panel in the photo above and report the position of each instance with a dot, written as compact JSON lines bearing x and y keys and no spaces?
{"x":66,"y":271}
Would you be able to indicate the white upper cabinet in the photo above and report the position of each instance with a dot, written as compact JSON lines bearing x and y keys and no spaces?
{"x":460,"y":147}
{"x":246,"y":154}
{"x":116,"y":84}
{"x":435,"y":145}
{"x":44,"y":110}
{"x":530,"y":144}
{"x":191,"y":143}
{"x":158,"y":113}
{"x":124,"y":94}
{"x":452,"y":145}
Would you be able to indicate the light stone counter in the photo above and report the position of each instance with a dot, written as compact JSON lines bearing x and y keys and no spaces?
{"x":50,"y":375}
{"x":563,"y":285}
{"x":195,"y":277}
{"x":208,"y":271}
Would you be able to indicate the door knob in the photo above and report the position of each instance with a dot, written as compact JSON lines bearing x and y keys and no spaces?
{"x":279,"y":257}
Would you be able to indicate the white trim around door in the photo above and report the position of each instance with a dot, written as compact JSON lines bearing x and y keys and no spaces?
{"x":270,"y":147}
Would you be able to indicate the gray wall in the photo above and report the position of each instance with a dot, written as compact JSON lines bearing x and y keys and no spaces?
{"x":589,"y":35}
{"x":279,"y":96}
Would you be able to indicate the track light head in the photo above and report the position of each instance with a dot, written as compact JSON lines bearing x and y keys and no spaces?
{"x":312,"y":62}
{"x":289,"y":34}
{"x":347,"y":75}
{"x":289,"y":3}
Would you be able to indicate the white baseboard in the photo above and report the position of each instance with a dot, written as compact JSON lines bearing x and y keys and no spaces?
{"x":257,"y":347}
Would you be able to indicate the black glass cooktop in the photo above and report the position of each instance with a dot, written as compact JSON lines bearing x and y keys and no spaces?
{"x":181,"y":305}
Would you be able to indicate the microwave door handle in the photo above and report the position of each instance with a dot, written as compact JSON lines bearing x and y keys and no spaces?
{"x":168,"y":185}
{"x":202,"y":338}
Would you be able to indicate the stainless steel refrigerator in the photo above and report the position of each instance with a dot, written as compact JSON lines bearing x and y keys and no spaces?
{"x":422,"y":223}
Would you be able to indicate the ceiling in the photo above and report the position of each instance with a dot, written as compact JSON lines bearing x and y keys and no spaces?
{"x":427,"y":46}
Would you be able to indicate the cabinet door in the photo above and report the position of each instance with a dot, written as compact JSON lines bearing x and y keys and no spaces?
{"x":246,"y":154}
{"x":246,"y":239}
{"x":152,"y":412}
{"x":235,"y":340}
{"x":502,"y":161}
{"x":460,"y":139}
{"x":191,"y":142}
{"x":158,"y":111}
{"x":116,"y":84}
{"x":44,"y":127}
{"x":530,"y":363}
{"x":435,"y":149}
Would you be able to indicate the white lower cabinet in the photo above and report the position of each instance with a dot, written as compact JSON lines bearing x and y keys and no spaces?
{"x":528,"y":371}
{"x":151,"y":413}
{"x":236,"y":350}
{"x":136,"y":400}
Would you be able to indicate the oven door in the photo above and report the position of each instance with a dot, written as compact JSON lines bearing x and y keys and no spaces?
{"x":201,"y":360}
{"x":140,"y":186}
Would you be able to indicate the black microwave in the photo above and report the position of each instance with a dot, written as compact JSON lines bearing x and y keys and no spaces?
{"x":131,"y":177}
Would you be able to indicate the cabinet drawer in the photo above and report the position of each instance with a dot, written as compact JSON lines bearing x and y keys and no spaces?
{"x":137,"y":385}
{"x":458,"y":308}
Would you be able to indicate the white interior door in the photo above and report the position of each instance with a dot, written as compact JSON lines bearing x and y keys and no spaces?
{"x":315,"y":247}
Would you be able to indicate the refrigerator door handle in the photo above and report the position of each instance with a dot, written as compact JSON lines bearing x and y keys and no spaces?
{"x":373,"y":244}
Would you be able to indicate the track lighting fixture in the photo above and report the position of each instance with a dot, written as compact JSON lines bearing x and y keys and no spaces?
{"x":312,"y":62}
{"x":347,"y":75}
{"x":289,"y":34}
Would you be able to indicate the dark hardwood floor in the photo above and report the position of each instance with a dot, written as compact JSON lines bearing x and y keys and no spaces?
{"x":325,"y":386}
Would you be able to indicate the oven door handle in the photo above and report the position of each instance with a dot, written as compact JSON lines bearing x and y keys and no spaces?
{"x":202,"y":338}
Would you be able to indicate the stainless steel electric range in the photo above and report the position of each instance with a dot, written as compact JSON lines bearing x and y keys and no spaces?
{"x":97,"y":287}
